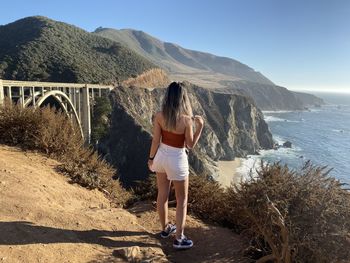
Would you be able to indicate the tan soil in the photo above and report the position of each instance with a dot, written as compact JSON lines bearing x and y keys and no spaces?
{"x":44,"y":218}
{"x":227,"y":172}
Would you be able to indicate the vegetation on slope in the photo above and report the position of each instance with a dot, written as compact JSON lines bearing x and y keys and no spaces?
{"x":50,"y":132}
{"x":153,"y":78}
{"x":37,"y":48}
{"x":102,"y":110}
{"x":290,"y":216}
{"x":175,"y":58}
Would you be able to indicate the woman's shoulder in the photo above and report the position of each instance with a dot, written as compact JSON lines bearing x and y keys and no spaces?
{"x":187,"y":119}
{"x":158,"y":115}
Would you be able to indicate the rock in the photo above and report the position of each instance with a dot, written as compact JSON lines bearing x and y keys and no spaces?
{"x":131,"y":254}
{"x":287,"y":144}
{"x":234,"y":127}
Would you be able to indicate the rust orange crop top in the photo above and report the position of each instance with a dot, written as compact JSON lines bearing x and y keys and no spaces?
{"x":173,"y":139}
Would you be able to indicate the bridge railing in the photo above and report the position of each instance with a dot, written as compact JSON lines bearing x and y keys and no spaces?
{"x":74,"y":97}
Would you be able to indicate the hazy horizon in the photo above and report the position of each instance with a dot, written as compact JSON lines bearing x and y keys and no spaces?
{"x":296,"y":44}
{"x":320,"y":89}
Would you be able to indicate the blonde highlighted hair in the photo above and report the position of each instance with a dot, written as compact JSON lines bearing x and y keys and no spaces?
{"x":175,"y":103}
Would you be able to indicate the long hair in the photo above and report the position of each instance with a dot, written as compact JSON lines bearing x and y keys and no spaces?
{"x":176,"y":102}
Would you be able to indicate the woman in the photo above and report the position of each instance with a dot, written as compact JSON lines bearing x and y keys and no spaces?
{"x":172,"y":134}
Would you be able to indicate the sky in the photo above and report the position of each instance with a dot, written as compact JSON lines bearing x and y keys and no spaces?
{"x":298,"y":44}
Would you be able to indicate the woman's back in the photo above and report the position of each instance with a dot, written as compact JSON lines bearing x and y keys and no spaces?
{"x":172,"y":131}
{"x":175,"y":138}
{"x":180,"y":123}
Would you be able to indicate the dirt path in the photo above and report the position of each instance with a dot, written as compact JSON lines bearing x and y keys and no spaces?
{"x":211,"y":243}
{"x":43,"y":218}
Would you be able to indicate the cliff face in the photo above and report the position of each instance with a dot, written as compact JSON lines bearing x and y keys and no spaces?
{"x":269,"y":97}
{"x":233,"y":127}
{"x":309,"y":99}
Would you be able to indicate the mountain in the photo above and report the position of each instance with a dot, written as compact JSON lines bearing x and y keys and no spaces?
{"x":210,"y":71}
{"x":178,"y":60}
{"x":269,"y":97}
{"x":38,"y":48}
{"x":234,"y":127}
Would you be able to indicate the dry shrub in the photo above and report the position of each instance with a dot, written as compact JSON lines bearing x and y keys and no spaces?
{"x":147,"y":189}
{"x":206,"y":198}
{"x":290,"y":216}
{"x":152,"y":78}
{"x":300,"y":216}
{"x":38,"y":129}
{"x":52,"y":133}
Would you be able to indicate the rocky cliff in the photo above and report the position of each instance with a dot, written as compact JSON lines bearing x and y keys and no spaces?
{"x":269,"y":97}
{"x":234,"y":127}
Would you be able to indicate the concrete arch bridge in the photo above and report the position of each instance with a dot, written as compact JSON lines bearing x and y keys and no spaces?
{"x":75,"y":99}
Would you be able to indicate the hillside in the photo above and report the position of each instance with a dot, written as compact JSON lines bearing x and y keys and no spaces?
{"x":210,"y":71}
{"x":38,"y":48}
{"x":272,"y":97}
{"x":43,"y":218}
{"x":180,"y":61}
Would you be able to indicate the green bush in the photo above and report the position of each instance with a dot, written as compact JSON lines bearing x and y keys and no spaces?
{"x":102,"y":109}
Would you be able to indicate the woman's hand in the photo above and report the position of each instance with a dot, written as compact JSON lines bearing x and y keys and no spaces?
{"x":150,"y":163}
{"x":199,"y":121}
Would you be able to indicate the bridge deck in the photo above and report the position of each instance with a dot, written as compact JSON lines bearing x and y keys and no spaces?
{"x":17,"y":83}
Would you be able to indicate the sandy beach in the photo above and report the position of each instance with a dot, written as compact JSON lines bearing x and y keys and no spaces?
{"x":228,"y":172}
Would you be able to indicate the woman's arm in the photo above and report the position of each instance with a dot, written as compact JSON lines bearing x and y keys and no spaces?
{"x":192,"y":139}
{"x":155,"y":139}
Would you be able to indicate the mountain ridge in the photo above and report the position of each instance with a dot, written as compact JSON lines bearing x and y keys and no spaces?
{"x":181,"y":57}
{"x":211,"y":71}
{"x":39,"y":48}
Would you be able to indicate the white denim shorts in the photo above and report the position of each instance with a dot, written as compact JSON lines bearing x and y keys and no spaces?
{"x":172,"y":161}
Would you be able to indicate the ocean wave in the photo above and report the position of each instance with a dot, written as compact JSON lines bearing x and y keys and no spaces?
{"x":277,"y":111}
{"x":280,"y":140}
{"x":248,"y":167}
{"x":269,"y":118}
{"x":340,"y":131}
{"x":251,"y":163}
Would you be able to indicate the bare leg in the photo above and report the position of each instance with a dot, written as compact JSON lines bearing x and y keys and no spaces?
{"x":181,"y":191}
{"x":163,"y":185}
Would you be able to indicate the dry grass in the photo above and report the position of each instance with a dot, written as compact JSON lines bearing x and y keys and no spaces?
{"x":150,"y":79}
{"x":52,"y":133}
{"x":290,"y":216}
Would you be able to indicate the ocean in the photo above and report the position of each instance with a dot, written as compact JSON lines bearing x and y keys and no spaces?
{"x":321,"y":135}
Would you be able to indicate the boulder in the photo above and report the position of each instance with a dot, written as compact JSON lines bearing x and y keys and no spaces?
{"x":287,"y":144}
{"x":131,"y":254}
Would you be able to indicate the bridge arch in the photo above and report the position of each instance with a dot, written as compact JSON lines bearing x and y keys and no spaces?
{"x":73,"y":98}
{"x":59,"y":96}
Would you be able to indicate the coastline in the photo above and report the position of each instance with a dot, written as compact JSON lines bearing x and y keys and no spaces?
{"x":228,"y":172}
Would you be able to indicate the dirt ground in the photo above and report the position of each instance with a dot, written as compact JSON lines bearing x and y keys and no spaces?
{"x":44,"y":218}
